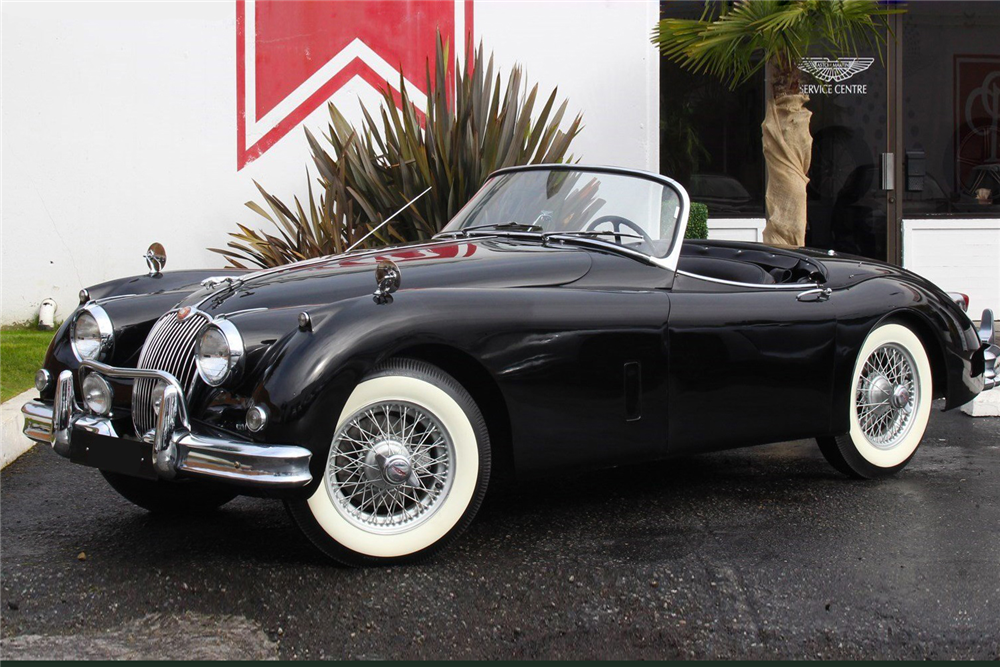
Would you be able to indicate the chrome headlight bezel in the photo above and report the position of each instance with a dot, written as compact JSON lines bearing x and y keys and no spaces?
{"x":234,"y":353}
{"x":105,"y":330}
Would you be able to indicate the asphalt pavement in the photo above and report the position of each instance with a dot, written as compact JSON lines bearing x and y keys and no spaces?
{"x":756,"y":553}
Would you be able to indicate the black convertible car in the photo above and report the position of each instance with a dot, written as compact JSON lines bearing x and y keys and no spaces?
{"x":559,"y":322}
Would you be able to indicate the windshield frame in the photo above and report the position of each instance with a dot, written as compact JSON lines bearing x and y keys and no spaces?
{"x":668,"y":261}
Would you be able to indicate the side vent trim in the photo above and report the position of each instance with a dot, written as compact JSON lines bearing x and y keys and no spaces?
{"x":633,"y":391}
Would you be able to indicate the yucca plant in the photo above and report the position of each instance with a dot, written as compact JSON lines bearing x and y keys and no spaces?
{"x":469,"y":130}
{"x":733,"y":41}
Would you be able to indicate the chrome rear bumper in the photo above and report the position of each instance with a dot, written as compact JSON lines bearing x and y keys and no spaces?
{"x":175,"y":448}
{"x":991,"y":351}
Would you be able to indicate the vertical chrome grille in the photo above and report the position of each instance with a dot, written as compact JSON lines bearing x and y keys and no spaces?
{"x":169,"y":347}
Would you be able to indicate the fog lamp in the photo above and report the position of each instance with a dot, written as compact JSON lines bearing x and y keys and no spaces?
{"x":42,"y":379}
{"x":97,"y":394}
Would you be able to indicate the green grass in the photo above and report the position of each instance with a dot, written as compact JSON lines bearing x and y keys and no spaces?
{"x":22,"y":350}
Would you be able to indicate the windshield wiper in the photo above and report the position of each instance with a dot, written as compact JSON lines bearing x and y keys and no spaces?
{"x":588,"y":233}
{"x":506,"y":226}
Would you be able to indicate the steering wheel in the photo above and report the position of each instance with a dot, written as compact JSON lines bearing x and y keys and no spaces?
{"x":617,"y":222}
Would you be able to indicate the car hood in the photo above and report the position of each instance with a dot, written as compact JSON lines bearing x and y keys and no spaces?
{"x":492,"y":262}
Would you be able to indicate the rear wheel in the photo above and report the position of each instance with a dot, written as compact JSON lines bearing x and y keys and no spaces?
{"x":184,"y":497}
{"x":889,"y":408}
{"x":407,"y":470}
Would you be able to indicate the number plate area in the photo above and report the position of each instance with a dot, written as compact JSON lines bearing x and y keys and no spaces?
{"x":128,"y":457}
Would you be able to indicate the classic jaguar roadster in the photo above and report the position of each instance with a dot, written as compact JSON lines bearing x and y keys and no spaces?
{"x":559,"y":322}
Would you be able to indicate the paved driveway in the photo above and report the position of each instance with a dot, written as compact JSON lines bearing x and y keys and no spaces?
{"x":754,"y":553}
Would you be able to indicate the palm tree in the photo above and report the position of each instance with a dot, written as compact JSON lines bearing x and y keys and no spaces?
{"x":733,"y":41}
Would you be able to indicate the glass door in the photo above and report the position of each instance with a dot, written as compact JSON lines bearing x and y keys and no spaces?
{"x":852,"y":178}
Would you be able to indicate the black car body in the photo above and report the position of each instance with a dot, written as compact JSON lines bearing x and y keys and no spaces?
{"x":579,"y":350}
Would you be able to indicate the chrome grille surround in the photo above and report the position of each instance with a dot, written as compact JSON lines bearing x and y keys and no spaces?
{"x":169,"y":347}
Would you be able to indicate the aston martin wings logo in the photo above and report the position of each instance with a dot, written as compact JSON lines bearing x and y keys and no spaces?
{"x":835,"y":69}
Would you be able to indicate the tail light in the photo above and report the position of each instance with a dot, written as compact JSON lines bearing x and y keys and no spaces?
{"x":961,"y":299}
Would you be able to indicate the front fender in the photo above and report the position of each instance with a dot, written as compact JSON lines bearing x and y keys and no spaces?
{"x":948,"y":335}
{"x":309,"y":375}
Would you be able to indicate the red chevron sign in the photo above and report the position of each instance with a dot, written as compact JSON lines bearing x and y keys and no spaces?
{"x":293,"y":55}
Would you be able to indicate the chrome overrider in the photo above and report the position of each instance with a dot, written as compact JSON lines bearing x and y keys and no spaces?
{"x":991,"y":351}
{"x":175,"y":448}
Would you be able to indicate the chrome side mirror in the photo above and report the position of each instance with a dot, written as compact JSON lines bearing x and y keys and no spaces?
{"x":156,"y":259}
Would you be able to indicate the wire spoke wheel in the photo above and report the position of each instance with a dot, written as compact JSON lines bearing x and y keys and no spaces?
{"x":885,"y":396}
{"x":390,"y":467}
{"x":889,"y":404}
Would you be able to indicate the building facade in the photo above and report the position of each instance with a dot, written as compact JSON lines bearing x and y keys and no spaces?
{"x":906,"y":155}
{"x":127,"y":123}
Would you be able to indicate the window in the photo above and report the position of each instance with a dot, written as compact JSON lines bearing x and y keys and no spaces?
{"x":951,"y":109}
{"x":710,"y":135}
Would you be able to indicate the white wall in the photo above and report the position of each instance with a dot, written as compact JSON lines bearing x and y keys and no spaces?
{"x":119,"y":126}
{"x":957,"y":256}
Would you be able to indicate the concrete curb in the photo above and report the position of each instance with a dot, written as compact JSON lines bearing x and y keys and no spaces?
{"x":13,"y":443}
{"x":987,"y":404}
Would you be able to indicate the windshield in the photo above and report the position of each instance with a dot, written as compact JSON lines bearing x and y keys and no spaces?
{"x":625,"y":209}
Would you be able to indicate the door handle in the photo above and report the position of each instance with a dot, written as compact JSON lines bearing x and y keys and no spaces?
{"x":888,"y":171}
{"x":818,"y":294}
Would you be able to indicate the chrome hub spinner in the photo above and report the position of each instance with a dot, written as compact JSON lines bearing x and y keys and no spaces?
{"x":389,"y":462}
{"x":879,"y":392}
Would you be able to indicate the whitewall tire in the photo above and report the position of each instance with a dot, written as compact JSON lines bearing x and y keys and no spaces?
{"x":408,"y":468}
{"x":890,"y":404}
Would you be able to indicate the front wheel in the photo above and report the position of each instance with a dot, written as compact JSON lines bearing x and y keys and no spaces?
{"x":407,"y":470}
{"x":890,"y":404}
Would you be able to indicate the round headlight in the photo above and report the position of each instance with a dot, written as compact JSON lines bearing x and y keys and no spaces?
{"x":219,"y":351}
{"x":97,"y":394}
{"x":92,"y":333}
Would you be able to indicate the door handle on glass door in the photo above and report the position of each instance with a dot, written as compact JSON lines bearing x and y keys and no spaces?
{"x":888,"y":171}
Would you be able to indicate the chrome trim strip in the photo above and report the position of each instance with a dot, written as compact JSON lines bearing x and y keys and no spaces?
{"x":115,"y":297}
{"x":224,"y":316}
{"x":785,"y":286}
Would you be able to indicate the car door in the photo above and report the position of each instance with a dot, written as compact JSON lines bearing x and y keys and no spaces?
{"x":748,"y":364}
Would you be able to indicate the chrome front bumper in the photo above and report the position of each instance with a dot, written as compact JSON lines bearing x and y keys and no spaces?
{"x":991,"y":351}
{"x":175,"y":449}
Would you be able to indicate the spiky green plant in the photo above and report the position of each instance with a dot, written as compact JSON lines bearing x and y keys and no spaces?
{"x":482,"y":125}
{"x":734,"y":41}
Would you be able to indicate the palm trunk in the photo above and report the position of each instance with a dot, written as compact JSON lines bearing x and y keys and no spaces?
{"x":787,"y":153}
